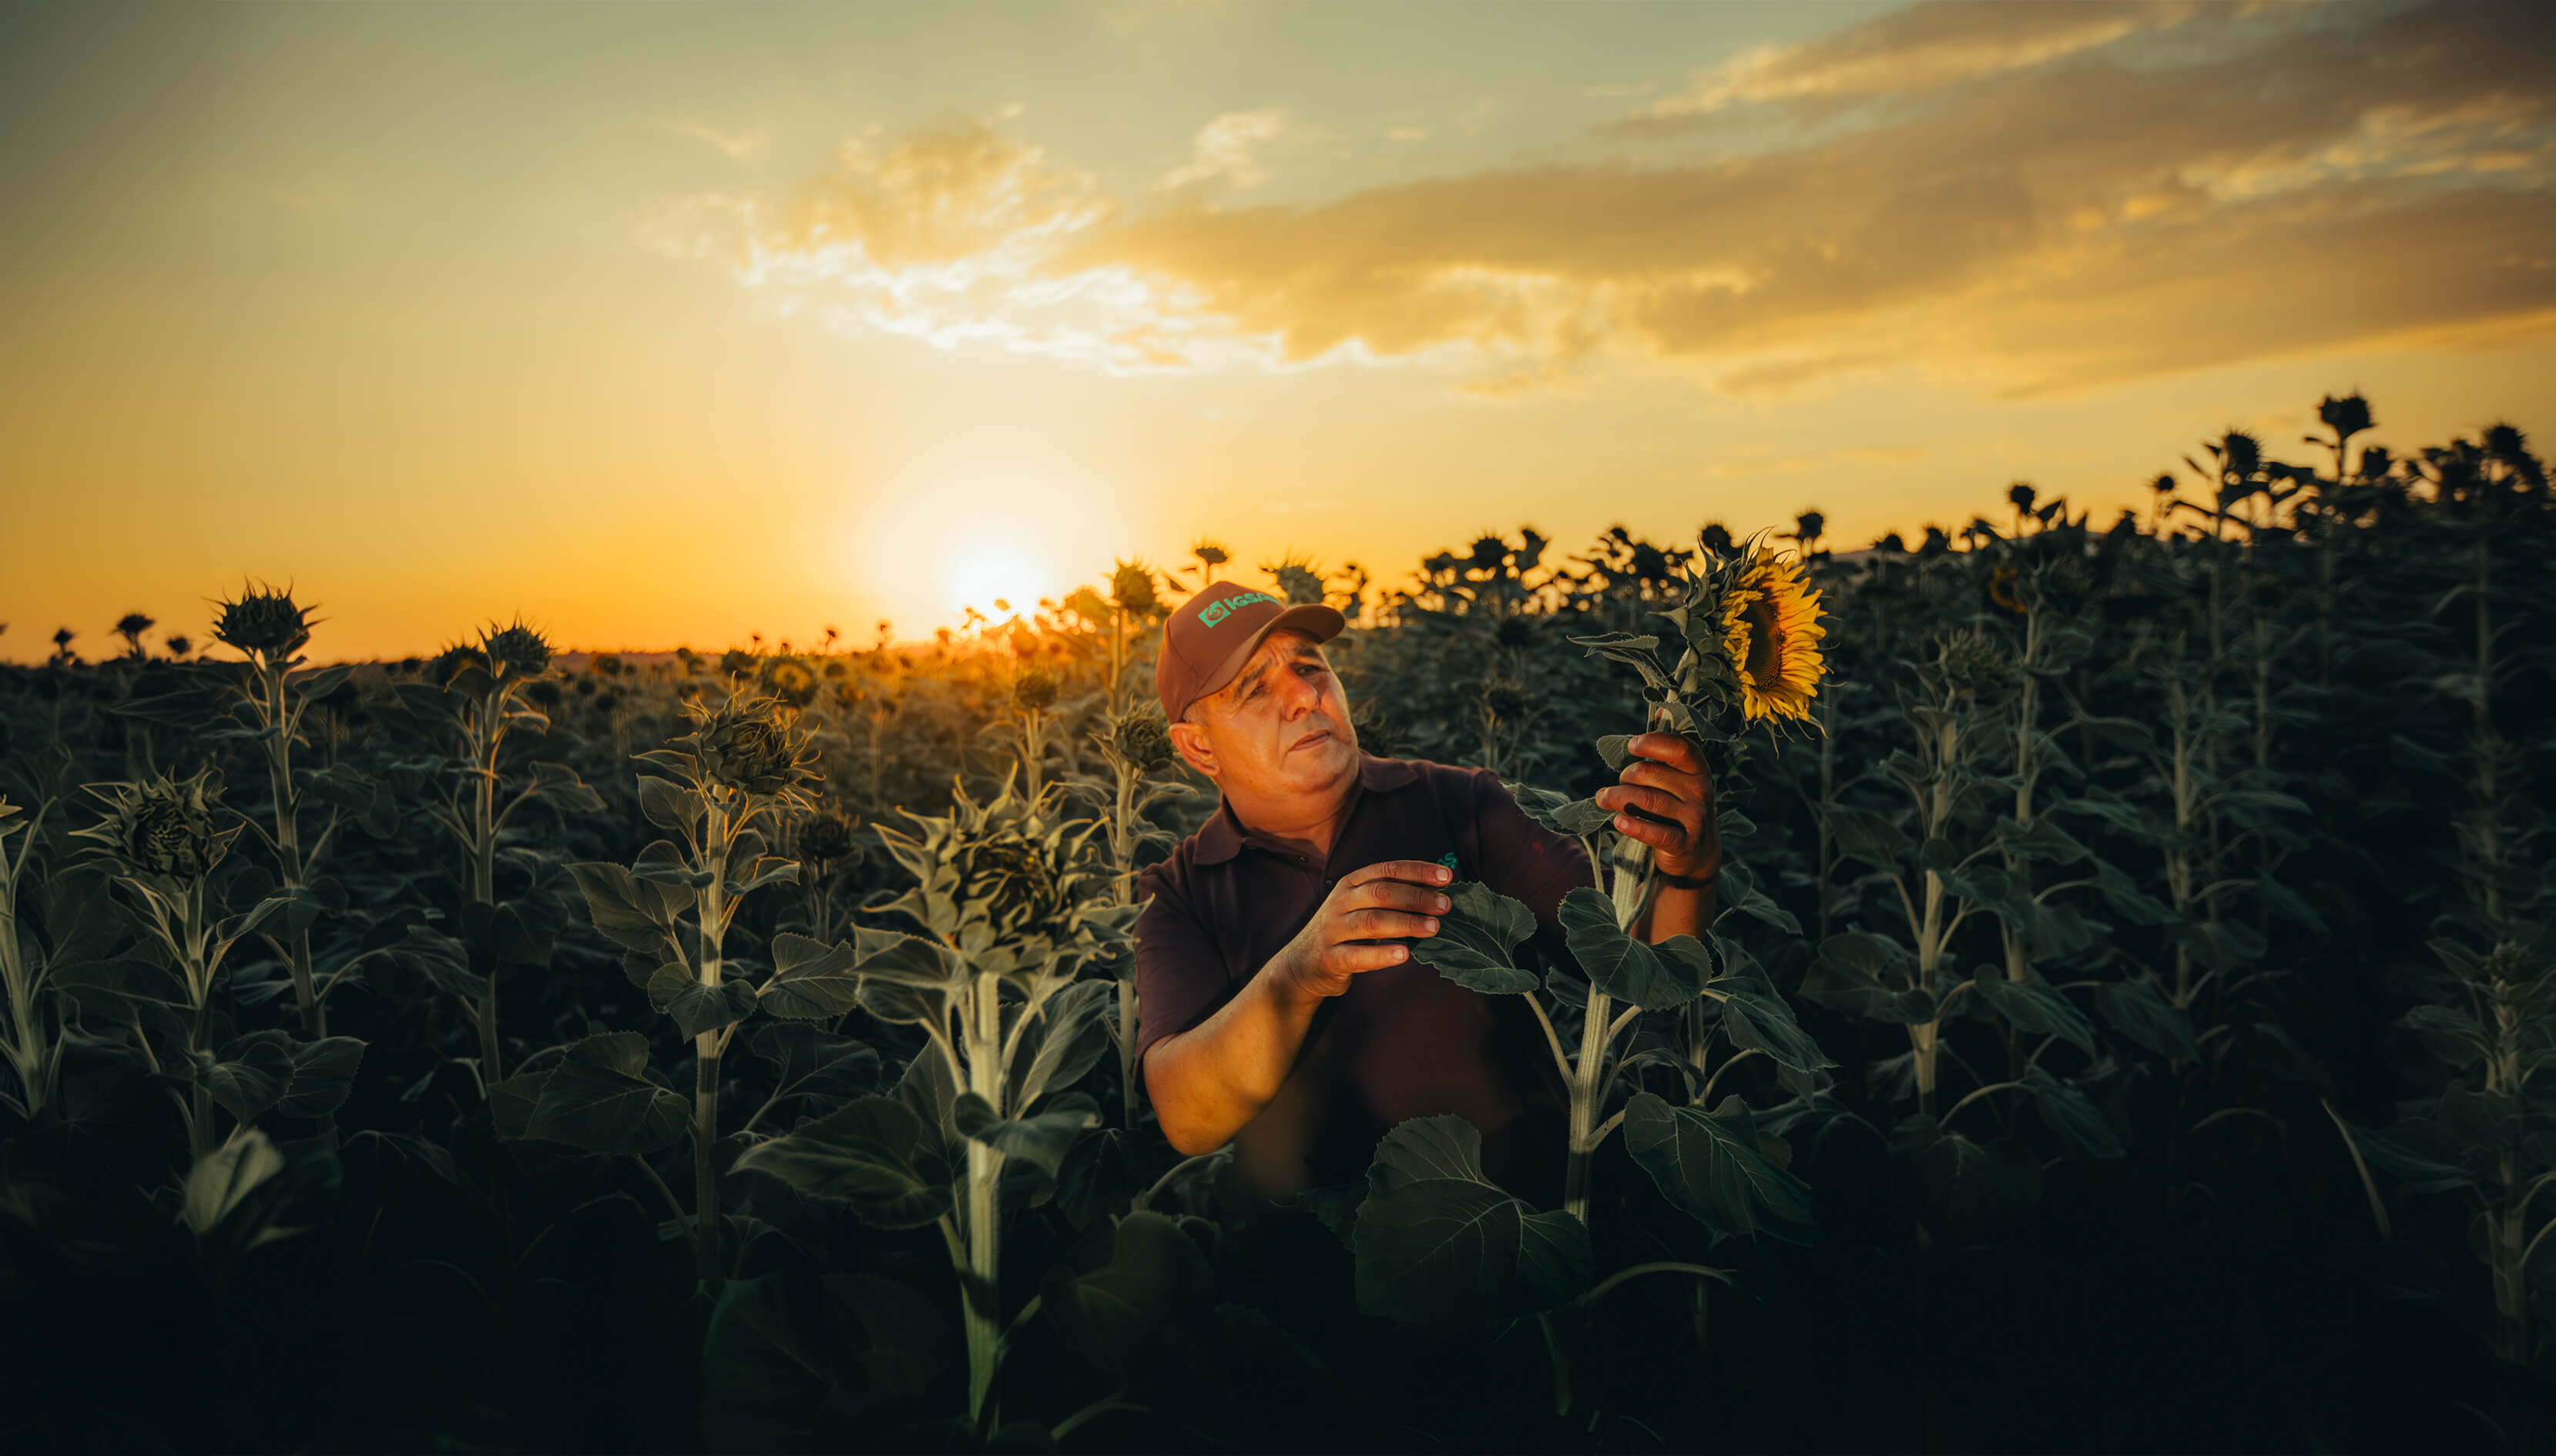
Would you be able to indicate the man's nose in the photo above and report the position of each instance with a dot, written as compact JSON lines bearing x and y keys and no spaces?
{"x":1298,"y":697}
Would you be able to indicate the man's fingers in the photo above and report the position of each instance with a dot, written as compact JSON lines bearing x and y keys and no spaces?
{"x":1657,"y":803}
{"x":1392,"y":895}
{"x":1351,"y":959}
{"x":1416,"y":871}
{"x":1672,"y":838}
{"x":1380,"y":924}
{"x":1677,"y":781}
{"x":1668,"y":748}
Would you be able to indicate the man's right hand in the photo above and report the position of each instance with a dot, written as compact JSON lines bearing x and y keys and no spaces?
{"x":1394,"y":899}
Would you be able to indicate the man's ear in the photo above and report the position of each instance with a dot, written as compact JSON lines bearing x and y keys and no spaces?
{"x":1191,"y":741}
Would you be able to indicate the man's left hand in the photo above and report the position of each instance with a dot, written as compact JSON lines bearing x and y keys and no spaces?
{"x":1665,"y":800}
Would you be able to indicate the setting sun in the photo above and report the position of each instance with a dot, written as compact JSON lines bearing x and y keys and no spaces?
{"x":997,"y":571}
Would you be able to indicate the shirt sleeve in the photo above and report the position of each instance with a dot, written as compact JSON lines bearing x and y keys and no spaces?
{"x":1180,"y":979}
{"x":1525,"y":861}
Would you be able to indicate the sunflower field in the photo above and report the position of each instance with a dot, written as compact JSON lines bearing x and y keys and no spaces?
{"x":2123,"y":1025}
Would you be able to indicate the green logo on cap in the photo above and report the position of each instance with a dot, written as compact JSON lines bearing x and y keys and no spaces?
{"x":1217,"y":611}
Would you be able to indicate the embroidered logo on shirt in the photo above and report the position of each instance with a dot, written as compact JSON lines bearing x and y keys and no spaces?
{"x":1447,"y":860}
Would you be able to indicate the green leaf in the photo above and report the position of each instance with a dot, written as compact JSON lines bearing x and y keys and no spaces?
{"x":1578,"y":818}
{"x":698,"y":1008}
{"x":1654,"y":978}
{"x":250,"y":1074}
{"x":870,"y":1156}
{"x":2032,"y":1006}
{"x":1616,"y":749}
{"x":1864,"y":975}
{"x":323,"y":1073}
{"x":1969,"y":1187}
{"x":1144,"y":1315}
{"x":905,"y":959}
{"x":793,"y":1361}
{"x":1710,"y":1166}
{"x":557,"y":785}
{"x":1738,"y":894}
{"x":2073,"y":1115}
{"x":1754,"y":1015}
{"x":811,"y":980}
{"x":1860,"y":834}
{"x":1437,"y":1242}
{"x":1070,"y":1034}
{"x":600,"y":1097}
{"x":2128,"y":900}
{"x":2139,"y":1011}
{"x":1042,"y":1139}
{"x":1477,"y":941}
{"x":669,"y":805}
{"x":619,"y":906}
{"x":2042,"y":839}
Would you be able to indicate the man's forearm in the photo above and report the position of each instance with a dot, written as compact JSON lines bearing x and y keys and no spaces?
{"x":1678,"y":910}
{"x":1207,"y":1081}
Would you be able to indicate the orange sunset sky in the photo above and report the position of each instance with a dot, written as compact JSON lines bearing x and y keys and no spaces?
{"x":671,"y":323}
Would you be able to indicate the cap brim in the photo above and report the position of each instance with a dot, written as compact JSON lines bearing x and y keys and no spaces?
{"x":1320,"y":623}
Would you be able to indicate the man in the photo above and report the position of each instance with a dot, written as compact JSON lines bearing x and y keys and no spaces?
{"x":1280,"y":1006}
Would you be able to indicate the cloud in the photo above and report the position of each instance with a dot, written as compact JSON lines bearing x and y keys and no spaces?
{"x":1929,"y":47}
{"x":736,"y":146}
{"x":1223,"y":151}
{"x":2046,"y":214}
{"x":941,"y":235}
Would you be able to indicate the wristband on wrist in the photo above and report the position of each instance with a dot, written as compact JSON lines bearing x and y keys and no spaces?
{"x":1690,"y":882}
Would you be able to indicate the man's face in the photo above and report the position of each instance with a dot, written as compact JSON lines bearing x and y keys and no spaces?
{"x":1280,"y":727}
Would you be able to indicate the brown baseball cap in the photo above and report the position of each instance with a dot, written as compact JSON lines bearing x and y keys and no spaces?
{"x":1212,"y":635}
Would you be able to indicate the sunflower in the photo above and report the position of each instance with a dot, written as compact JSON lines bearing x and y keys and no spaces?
{"x":1770,"y":626}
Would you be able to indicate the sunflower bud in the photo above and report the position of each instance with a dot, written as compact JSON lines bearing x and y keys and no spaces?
{"x":462,"y":669}
{"x":745,"y":745}
{"x":162,"y":826}
{"x":263,"y":622}
{"x":1506,"y":701}
{"x":516,"y":651}
{"x":1973,"y":664}
{"x":829,"y":837}
{"x":1144,"y":741}
{"x":1034,"y":690}
{"x":1131,"y":587}
{"x":1301,"y":583}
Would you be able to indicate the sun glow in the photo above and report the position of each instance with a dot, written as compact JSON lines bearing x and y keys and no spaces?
{"x":987,"y":572}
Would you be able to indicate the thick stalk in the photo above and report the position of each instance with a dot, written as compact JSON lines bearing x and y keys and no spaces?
{"x":715,"y":830}
{"x":1585,"y":1088}
{"x":199,"y":980}
{"x":2028,"y":719}
{"x":484,"y":734}
{"x":982,"y":1299}
{"x":287,"y":844}
{"x":1122,"y":849}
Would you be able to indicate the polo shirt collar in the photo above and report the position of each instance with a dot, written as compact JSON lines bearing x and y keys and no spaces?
{"x":1221,"y":838}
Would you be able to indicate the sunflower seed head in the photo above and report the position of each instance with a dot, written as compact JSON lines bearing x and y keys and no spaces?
{"x":745,"y":743}
{"x":1972,"y":662}
{"x":1035,"y":689}
{"x":162,"y":827}
{"x":792,"y":680}
{"x":1143,"y":741}
{"x":1299,"y":582}
{"x":517,"y":650}
{"x":263,"y":622}
{"x":1131,"y":585}
{"x":829,"y":837}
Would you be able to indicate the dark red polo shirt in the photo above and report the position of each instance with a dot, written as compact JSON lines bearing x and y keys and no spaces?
{"x":1402,"y":1041}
